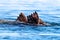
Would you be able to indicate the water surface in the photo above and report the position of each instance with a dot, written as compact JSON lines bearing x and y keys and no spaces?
{"x":31,"y":32}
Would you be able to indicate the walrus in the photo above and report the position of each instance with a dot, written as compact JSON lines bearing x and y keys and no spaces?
{"x":30,"y":19}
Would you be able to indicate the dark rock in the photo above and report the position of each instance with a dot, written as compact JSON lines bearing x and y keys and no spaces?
{"x":33,"y":18}
{"x":22,"y":18}
{"x":41,"y":22}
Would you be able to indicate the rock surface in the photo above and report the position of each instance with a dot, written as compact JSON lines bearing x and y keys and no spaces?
{"x":31,"y":19}
{"x":22,"y":18}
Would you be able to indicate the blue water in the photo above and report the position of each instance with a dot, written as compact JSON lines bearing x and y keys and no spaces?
{"x":31,"y":32}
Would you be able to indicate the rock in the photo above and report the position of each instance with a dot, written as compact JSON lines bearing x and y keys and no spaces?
{"x":41,"y":22}
{"x":33,"y":18}
{"x":22,"y":18}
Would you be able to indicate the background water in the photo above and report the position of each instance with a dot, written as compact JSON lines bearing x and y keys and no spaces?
{"x":30,"y":32}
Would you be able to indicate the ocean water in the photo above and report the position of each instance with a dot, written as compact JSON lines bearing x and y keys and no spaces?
{"x":31,"y":32}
